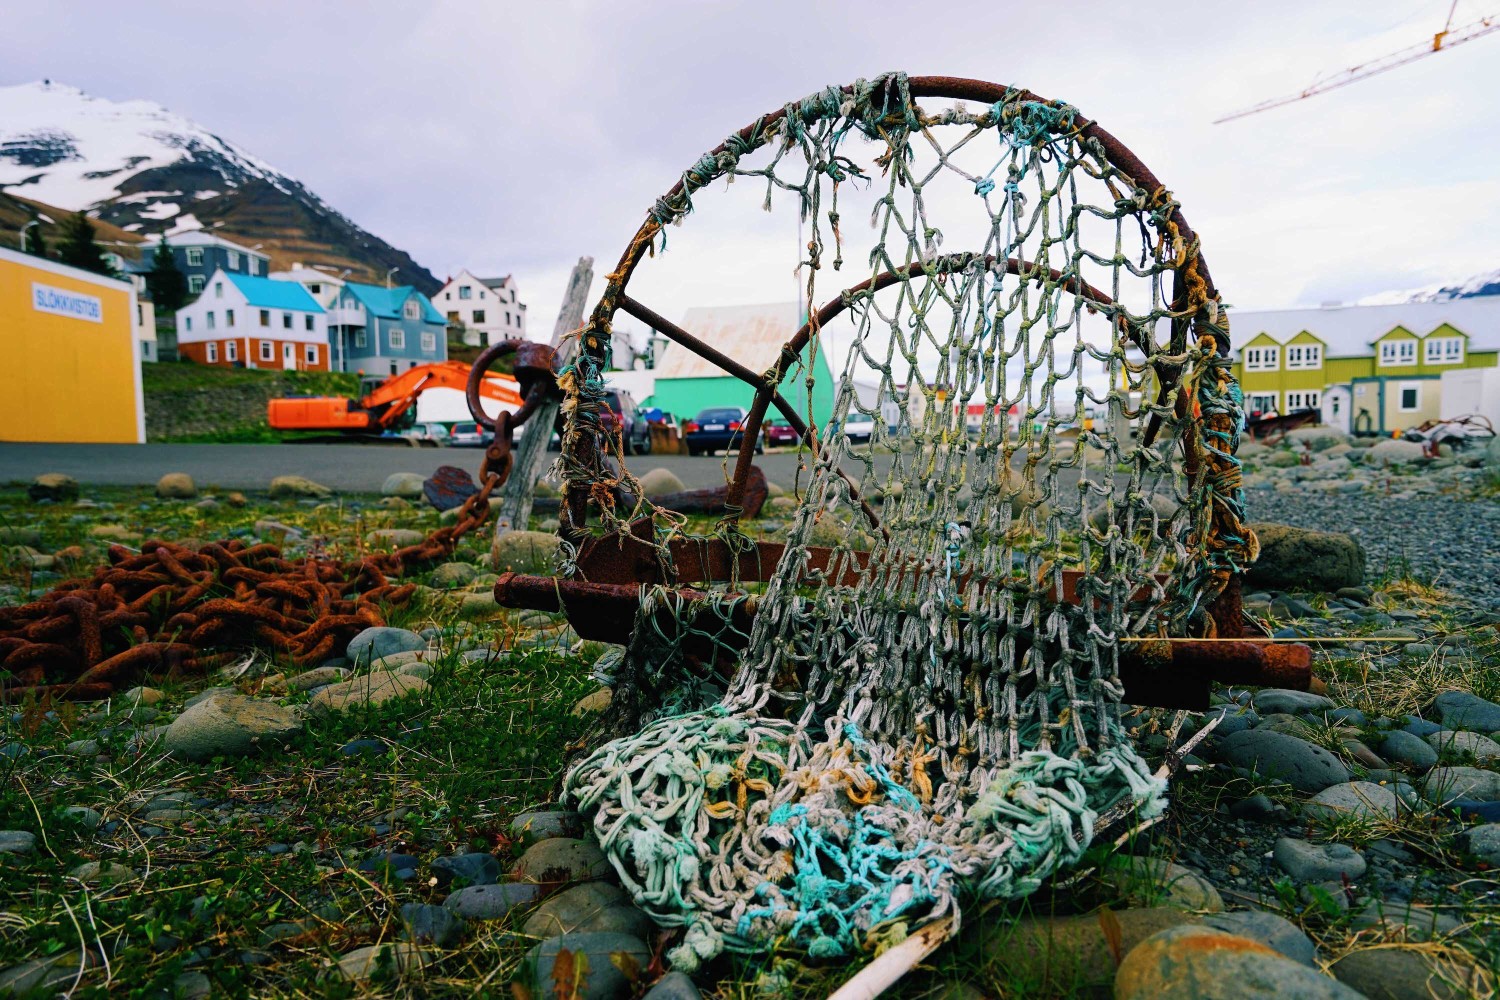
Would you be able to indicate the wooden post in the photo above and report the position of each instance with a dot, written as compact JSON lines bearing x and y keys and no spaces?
{"x":516,"y":495}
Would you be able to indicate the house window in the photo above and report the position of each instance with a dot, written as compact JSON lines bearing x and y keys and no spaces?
{"x":465,"y":292}
{"x":213,"y":353}
{"x":218,"y":289}
{"x":253,"y":265}
{"x":311,"y":354}
{"x":507,"y":317}
{"x":1304,"y":356}
{"x":315,"y":288}
{"x":478,"y":315}
{"x":229,"y":317}
{"x":1443,"y":350}
{"x":307,"y":322}
{"x":187,"y":323}
{"x":195,"y":284}
{"x":1398,"y":352}
{"x":1263,"y":402}
{"x":429,"y":343}
{"x":1411,"y":396}
{"x":267,"y":350}
{"x":397,"y":337}
{"x":1260,"y":359}
{"x":265,"y":317}
{"x":210,"y":319}
{"x":395,"y":367}
{"x":453,"y":319}
{"x":194,"y":257}
{"x":1307,"y":400}
{"x":447,"y":296}
{"x":359,"y":338}
{"x":412,"y":310}
{"x":286,"y":321}
{"x":231,"y":350}
{"x":233,"y":258}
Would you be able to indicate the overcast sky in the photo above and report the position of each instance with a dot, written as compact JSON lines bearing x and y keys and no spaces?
{"x":511,"y":137}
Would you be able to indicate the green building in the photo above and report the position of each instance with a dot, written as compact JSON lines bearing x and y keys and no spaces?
{"x":752,"y":335}
{"x":1370,"y":369}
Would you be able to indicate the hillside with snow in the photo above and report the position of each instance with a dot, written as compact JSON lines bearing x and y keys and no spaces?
{"x":1479,"y":284}
{"x":147,"y":170}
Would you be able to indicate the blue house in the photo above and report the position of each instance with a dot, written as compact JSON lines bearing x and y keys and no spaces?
{"x":383,"y":331}
{"x":200,"y":253}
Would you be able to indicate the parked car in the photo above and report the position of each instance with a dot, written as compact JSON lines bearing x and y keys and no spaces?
{"x":716,"y":428}
{"x":778,"y":433}
{"x":429,"y":433}
{"x":620,"y":415}
{"x":859,"y":427}
{"x":467,"y":435}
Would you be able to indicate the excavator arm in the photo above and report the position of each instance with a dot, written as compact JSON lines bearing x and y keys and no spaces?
{"x":385,"y":407}
{"x":390,"y":401}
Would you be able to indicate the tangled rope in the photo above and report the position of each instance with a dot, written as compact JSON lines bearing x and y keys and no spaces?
{"x":174,"y":610}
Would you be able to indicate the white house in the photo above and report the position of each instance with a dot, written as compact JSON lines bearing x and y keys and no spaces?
{"x":487,"y":308}
{"x":240,"y":321}
{"x":321,"y":281}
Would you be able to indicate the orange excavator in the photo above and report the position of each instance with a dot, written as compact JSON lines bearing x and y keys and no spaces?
{"x":388,"y":404}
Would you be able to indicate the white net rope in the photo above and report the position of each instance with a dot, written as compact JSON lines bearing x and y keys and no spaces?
{"x":933,"y":713}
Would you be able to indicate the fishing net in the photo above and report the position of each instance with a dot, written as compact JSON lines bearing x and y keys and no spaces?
{"x":928,"y":711}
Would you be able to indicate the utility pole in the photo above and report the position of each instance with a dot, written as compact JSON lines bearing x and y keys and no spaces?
{"x":517,"y":495}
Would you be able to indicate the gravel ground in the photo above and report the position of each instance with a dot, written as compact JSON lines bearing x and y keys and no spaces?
{"x":1453,"y":541}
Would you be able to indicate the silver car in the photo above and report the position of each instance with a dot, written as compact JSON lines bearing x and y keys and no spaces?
{"x":466,"y":435}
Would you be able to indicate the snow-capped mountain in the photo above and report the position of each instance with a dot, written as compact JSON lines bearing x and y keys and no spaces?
{"x":148,"y":170}
{"x":1479,"y":284}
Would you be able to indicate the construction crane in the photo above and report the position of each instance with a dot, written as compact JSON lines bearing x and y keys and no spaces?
{"x":1449,"y":37}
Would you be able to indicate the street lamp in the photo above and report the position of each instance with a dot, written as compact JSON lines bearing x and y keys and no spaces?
{"x":388,"y":276}
{"x":33,"y":222}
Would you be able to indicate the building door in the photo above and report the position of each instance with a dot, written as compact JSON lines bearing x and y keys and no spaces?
{"x":289,"y":356}
{"x":1336,"y":402}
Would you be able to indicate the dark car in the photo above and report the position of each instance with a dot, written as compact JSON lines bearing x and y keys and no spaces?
{"x":715,"y":428}
{"x":619,"y":415}
{"x":778,"y":433}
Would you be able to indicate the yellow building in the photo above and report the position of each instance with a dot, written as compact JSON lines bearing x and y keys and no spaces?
{"x":72,"y":354}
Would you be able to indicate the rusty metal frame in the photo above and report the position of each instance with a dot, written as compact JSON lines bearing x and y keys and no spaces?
{"x":604,"y":594}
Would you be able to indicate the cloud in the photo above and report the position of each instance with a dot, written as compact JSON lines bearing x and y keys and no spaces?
{"x":511,"y":137}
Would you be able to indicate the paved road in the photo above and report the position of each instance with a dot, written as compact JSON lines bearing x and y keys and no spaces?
{"x":350,"y":468}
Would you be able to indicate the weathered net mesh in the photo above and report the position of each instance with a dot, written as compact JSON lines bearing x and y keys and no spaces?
{"x":933,"y":712}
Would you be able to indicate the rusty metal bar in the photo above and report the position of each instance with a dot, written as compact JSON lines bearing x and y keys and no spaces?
{"x":606,"y":611}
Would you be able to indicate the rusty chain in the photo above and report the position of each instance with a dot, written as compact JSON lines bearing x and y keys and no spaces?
{"x":174,"y":610}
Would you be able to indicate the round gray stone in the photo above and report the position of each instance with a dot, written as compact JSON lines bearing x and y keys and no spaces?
{"x":1484,"y":843}
{"x":562,"y":859}
{"x":1402,"y":974}
{"x":407,"y":485}
{"x":431,"y":924}
{"x":17,"y":841}
{"x":491,"y":902}
{"x":1465,"y":744}
{"x":373,"y":643}
{"x":231,"y":725}
{"x":1444,"y":784}
{"x":1401,"y":747}
{"x":605,"y":953}
{"x":1302,"y":765}
{"x":534,"y":826}
{"x":1465,"y":710}
{"x":1357,"y":799}
{"x":1270,"y":930}
{"x":1308,"y":862}
{"x":1270,"y":700}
